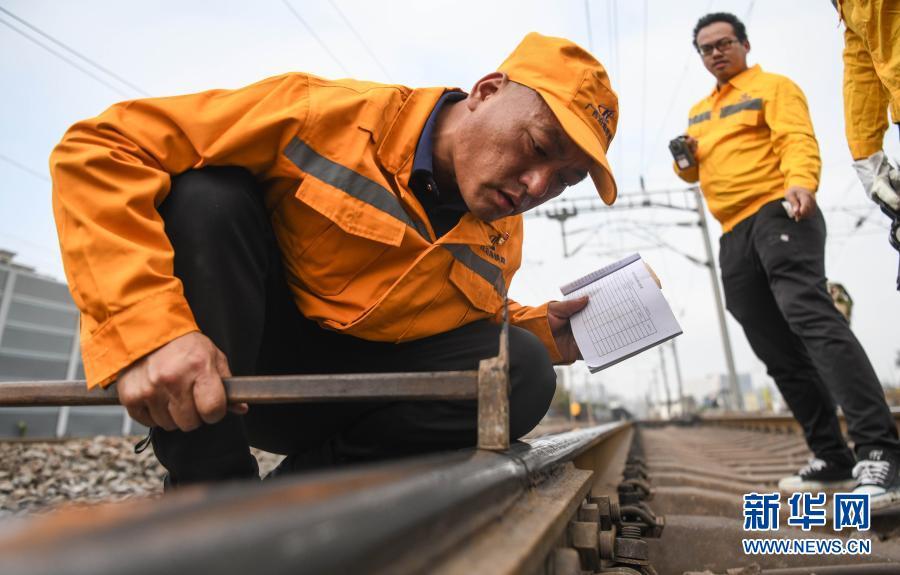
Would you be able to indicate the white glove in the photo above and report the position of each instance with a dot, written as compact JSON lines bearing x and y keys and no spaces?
{"x":880,"y":179}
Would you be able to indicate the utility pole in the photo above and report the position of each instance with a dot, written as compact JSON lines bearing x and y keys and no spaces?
{"x":737,"y":399}
{"x":561,"y":214}
{"x":589,"y":399}
{"x":681,"y":399}
{"x":665,"y":382}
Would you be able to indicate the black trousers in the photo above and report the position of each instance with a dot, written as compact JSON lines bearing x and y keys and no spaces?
{"x":230,"y":265}
{"x":773,"y":272}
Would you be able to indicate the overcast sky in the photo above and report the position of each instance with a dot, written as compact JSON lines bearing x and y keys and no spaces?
{"x":170,"y":47}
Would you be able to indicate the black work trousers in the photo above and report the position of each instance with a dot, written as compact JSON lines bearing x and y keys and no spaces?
{"x":230,"y":266}
{"x":773,"y":272}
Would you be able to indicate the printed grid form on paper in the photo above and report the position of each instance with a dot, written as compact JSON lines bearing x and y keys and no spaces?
{"x":621,"y":319}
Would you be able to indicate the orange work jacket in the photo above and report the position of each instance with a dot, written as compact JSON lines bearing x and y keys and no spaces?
{"x":334,"y":160}
{"x":754,"y":140}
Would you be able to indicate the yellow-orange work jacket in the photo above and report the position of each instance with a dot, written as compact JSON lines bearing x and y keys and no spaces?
{"x":871,"y":72}
{"x":754,"y":140}
{"x":334,"y":161}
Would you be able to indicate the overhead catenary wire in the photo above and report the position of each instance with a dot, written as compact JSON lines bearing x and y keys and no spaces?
{"x":749,"y":13}
{"x":644,"y":96}
{"x":24,"y":168}
{"x":66,"y":60}
{"x":587,"y":21}
{"x":643,"y":229}
{"x":613,"y":18}
{"x":316,"y":37}
{"x":50,"y":263}
{"x":673,"y":99}
{"x":615,"y":22}
{"x":359,"y":38}
{"x":73,"y":52}
{"x":610,"y":41}
{"x":643,"y":145}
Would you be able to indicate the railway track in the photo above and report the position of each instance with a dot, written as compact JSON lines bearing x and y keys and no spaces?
{"x":617,"y":498}
{"x":508,"y":512}
{"x":699,"y":476}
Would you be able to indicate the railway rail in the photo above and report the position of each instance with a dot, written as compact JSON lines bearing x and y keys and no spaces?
{"x":618,"y":498}
{"x":539,"y":504}
{"x":777,"y":423}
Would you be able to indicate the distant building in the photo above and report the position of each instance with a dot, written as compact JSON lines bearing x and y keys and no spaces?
{"x":745,"y":387}
{"x":745,"y":382}
{"x":39,"y":341}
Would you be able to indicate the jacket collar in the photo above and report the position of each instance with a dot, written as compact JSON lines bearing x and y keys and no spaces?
{"x":396,"y":151}
{"x":741,"y":81}
{"x":398,"y":145}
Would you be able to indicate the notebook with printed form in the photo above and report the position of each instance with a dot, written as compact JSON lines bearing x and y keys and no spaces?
{"x":626,"y":313}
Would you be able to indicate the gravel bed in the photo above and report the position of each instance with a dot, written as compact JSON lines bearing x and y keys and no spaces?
{"x":39,"y":476}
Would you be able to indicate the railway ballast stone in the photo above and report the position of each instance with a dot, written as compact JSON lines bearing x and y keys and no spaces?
{"x":39,"y":476}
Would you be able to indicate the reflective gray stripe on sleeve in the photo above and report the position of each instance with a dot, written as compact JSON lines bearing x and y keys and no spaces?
{"x":491,"y":273}
{"x":346,"y":180}
{"x":699,"y":118}
{"x":754,"y":104}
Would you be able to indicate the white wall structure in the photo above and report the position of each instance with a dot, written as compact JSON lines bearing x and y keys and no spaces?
{"x":39,"y":341}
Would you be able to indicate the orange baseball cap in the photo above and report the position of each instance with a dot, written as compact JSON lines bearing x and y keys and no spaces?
{"x":577,"y":89}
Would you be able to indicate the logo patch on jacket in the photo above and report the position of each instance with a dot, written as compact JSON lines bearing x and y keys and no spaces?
{"x":489,"y":251}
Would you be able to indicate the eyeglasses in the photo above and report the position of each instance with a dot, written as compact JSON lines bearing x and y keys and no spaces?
{"x":722,"y":46}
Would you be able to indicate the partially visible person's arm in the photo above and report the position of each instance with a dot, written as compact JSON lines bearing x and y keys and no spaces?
{"x":794,"y":142}
{"x":865,"y":100}
{"x":536,"y":320}
{"x":109,"y":175}
{"x":865,"y":121}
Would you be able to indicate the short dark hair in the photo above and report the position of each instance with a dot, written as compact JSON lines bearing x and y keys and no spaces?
{"x":739,"y":29}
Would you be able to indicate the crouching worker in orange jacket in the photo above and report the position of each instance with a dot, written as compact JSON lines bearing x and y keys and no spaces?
{"x":303,"y":225}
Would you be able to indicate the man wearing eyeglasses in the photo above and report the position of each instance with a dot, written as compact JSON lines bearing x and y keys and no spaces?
{"x":757,"y":161}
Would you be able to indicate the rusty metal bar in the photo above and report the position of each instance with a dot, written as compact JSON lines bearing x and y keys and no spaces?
{"x":446,"y":385}
{"x":493,"y":395}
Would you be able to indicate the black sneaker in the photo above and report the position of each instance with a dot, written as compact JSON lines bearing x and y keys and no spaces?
{"x":819,"y":474}
{"x":876,"y":473}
